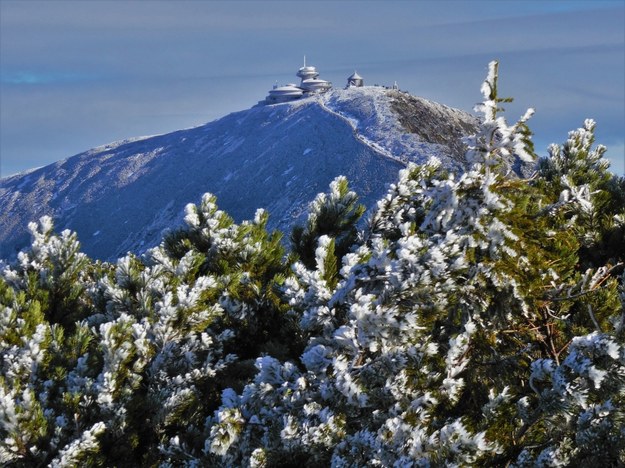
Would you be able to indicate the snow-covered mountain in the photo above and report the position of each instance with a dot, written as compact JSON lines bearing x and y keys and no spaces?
{"x":120,"y":197}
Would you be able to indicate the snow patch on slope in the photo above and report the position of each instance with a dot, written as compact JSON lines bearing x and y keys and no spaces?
{"x":374,"y":117}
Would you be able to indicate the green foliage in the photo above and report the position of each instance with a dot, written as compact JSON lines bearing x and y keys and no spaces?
{"x":249,"y":264}
{"x":335,"y":215}
{"x":588,"y":196}
{"x":55,"y":274}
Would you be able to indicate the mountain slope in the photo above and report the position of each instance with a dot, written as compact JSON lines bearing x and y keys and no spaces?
{"x":120,"y":197}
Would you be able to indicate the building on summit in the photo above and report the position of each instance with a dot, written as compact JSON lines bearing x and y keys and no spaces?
{"x":355,"y":80}
{"x":285,"y":93}
{"x":310,"y":84}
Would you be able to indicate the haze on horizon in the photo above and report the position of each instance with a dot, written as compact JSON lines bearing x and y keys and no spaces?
{"x":75,"y":75}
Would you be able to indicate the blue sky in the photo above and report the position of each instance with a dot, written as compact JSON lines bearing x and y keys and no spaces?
{"x":74,"y":75}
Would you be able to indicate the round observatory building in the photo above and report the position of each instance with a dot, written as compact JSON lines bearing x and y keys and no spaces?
{"x":286,"y":93}
{"x":310,"y":84}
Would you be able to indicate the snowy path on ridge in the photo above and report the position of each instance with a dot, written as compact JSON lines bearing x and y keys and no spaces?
{"x":355,"y":124}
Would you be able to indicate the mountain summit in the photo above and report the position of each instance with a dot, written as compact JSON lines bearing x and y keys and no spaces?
{"x":121,"y":196}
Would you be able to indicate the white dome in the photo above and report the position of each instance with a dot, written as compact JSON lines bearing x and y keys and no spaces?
{"x":306,"y":73}
{"x":316,"y":85}
{"x":290,"y":90}
{"x":283,"y":94}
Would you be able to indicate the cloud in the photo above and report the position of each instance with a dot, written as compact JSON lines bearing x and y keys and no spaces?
{"x":42,"y":78}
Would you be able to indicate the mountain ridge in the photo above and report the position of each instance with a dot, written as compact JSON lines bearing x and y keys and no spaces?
{"x":120,"y":197}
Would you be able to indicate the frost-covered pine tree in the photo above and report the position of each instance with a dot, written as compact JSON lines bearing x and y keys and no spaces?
{"x":335,"y":215}
{"x":45,"y":343}
{"x":587,"y":194}
{"x":428,"y":348}
{"x":153,"y":341}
